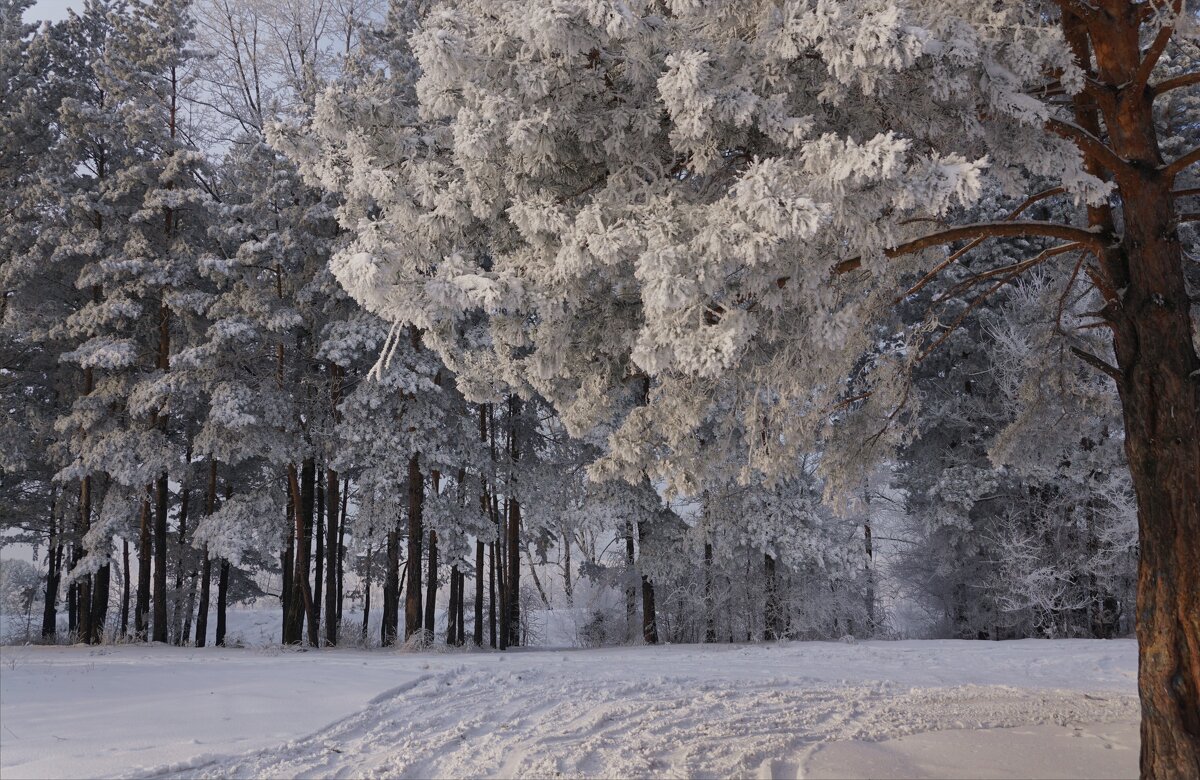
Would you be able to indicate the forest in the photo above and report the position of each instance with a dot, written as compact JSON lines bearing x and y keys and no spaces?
{"x":706,"y":322}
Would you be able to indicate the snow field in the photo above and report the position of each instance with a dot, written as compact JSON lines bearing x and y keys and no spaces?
{"x":883,"y":709}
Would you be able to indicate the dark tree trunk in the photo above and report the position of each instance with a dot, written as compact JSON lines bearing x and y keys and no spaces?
{"x":431,"y":586}
{"x":771,"y":607}
{"x":319,"y":560}
{"x":293,"y":632}
{"x":180,"y":565}
{"x":141,"y":615}
{"x":478,"y":632}
{"x":649,"y":613}
{"x":389,"y":626}
{"x":568,"y":583}
{"x":462,"y":582}
{"x":366,"y":620}
{"x":452,"y":609}
{"x":332,"y":590}
{"x":124,"y":587}
{"x":222,"y":602}
{"x":72,"y":610}
{"x":869,"y":594}
{"x":416,"y":530}
{"x":710,"y":617}
{"x":492,"y":595}
{"x":99,"y":605}
{"x":512,"y":580}
{"x":161,"y":501}
{"x":308,"y":476}
{"x":53,"y":562}
{"x":341,"y":549}
{"x":83,"y":592}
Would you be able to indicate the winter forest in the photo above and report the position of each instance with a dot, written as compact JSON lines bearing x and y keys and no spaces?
{"x":422,"y":328}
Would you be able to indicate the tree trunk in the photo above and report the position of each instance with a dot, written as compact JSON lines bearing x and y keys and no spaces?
{"x":222,"y":602}
{"x":649,"y":613}
{"x":141,"y":616}
{"x":462,"y":583}
{"x":1148,"y":308}
{"x":389,"y":626}
{"x":512,"y":580}
{"x":180,"y":563}
{"x":319,"y":561}
{"x":53,"y":561}
{"x":205,"y":595}
{"x":630,"y":588}
{"x":341,"y":549}
{"x":308,"y":476}
{"x":161,"y":497}
{"x":452,"y":611}
{"x":367,"y":594}
{"x":294,"y":627}
{"x":478,"y":632}
{"x":416,"y":497}
{"x":771,"y":607}
{"x":332,"y":594}
{"x":99,"y":605}
{"x":710,"y":617}
{"x":83,"y":601}
{"x":568,"y":583}
{"x":492,"y":595}
{"x":431,"y":586}
{"x":124,"y":587}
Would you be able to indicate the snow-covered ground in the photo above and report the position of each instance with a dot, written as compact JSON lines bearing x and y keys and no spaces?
{"x":880,"y":709}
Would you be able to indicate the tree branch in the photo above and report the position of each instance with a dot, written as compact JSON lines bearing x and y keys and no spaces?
{"x":1097,"y":363}
{"x":1142,"y":77}
{"x":1177,"y":167}
{"x":1178,"y":82}
{"x":1088,"y":143}
{"x":1088,"y":237}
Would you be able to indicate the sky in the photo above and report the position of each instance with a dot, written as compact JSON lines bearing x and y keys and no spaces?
{"x":50,"y":9}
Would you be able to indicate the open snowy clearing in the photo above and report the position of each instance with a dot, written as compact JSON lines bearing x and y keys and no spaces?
{"x":881,"y":709}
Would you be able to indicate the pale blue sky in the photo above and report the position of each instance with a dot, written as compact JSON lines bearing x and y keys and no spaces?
{"x":51,"y":9}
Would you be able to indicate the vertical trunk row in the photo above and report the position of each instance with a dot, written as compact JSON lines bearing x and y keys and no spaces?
{"x":710,"y":617}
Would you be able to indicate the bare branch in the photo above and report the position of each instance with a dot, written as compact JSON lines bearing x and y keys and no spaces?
{"x":1142,"y":77}
{"x":1177,"y":167}
{"x":1089,"y":144}
{"x":1097,"y":363}
{"x":1178,"y":82}
{"x":1088,"y":237}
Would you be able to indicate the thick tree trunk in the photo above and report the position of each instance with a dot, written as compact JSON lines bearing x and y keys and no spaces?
{"x":512,"y":580}
{"x":332,"y":521}
{"x":452,"y":611}
{"x":99,"y":605}
{"x":293,"y":627}
{"x":416,"y":530}
{"x":630,"y":587}
{"x":1158,"y":377}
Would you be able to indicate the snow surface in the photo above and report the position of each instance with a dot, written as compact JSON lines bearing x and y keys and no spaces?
{"x":1032,"y":708}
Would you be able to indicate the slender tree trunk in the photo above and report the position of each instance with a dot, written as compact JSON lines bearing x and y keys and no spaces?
{"x":319,"y":561}
{"x":99,"y":605}
{"x":308,"y":475}
{"x":630,"y":587}
{"x":416,"y":532}
{"x":73,"y":609}
{"x":83,"y":603}
{"x":205,"y":595}
{"x":341,"y":549}
{"x":389,"y":626}
{"x":53,"y":561}
{"x":512,"y":582}
{"x":462,"y":583}
{"x":161,"y":498}
{"x":210,"y":506}
{"x":710,"y":617}
{"x":222,"y":602}
{"x":492,"y":595}
{"x":771,"y":607}
{"x":869,"y":594}
{"x":431,"y":586}
{"x":478,"y":627}
{"x":141,"y":616}
{"x":124,"y":587}
{"x":332,"y":523}
{"x":366,"y":620}
{"x":568,"y":582}
{"x":294,"y":627}
{"x":452,"y":611}
{"x":180,"y":564}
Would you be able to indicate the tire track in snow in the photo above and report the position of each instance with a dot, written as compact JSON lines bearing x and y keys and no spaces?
{"x":568,"y":722}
